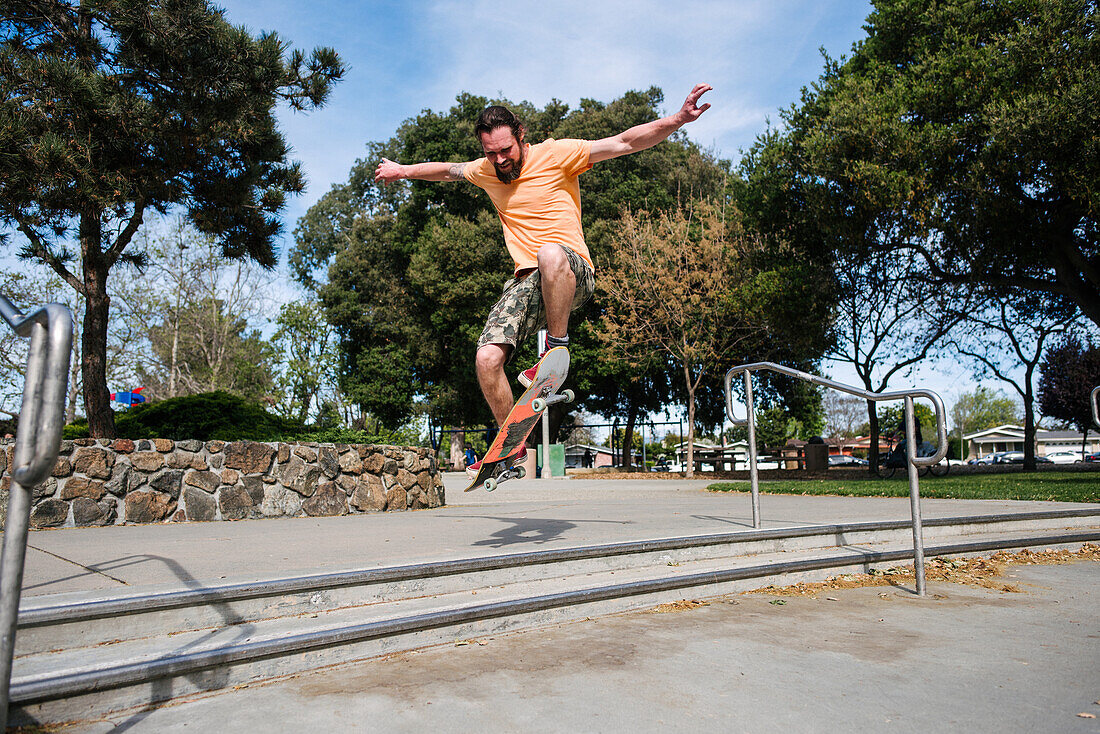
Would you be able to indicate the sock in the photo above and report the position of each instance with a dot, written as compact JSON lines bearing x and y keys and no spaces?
{"x":557,"y":341}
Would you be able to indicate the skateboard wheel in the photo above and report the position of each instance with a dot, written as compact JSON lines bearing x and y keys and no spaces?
{"x":490,"y":484}
{"x":538,"y":405}
{"x":568,"y":395}
{"x":520,"y":472}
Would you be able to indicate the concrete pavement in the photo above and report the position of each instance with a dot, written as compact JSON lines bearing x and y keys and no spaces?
{"x":864,"y":660}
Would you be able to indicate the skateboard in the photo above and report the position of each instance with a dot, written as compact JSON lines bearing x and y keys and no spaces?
{"x":497,"y":464}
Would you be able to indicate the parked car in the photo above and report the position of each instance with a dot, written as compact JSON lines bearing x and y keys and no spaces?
{"x":996,"y":458}
{"x":767,"y":462}
{"x":1017,"y":457}
{"x":1093,"y":457}
{"x":1066,"y":457}
{"x":846,"y":460}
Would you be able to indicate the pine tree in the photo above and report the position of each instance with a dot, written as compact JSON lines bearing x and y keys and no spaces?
{"x":114,"y":108}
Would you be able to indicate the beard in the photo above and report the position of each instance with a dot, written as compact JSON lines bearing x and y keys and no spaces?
{"x":513,"y":173}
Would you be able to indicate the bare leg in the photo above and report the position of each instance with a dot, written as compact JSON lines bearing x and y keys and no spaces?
{"x":496,"y":388}
{"x":494,"y":383}
{"x":559,"y":285}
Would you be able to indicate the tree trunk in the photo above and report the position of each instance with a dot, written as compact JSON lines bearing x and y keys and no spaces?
{"x":458,"y":451}
{"x":628,"y":436}
{"x":173,"y":360}
{"x":93,"y":343}
{"x":1029,"y":421}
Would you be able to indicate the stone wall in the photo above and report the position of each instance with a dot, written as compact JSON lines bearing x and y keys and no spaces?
{"x":105,"y":482}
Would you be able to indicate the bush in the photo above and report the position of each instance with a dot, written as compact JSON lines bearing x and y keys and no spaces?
{"x":207,"y":416}
{"x":223,"y":416}
{"x":77,"y":429}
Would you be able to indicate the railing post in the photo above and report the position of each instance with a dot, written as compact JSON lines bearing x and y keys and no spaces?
{"x":914,"y":492}
{"x":37,"y":442}
{"x":754,"y":475}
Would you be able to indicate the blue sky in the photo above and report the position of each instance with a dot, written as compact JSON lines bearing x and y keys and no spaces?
{"x":409,"y":56}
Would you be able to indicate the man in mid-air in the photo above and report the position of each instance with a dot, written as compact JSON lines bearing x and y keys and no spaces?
{"x":536,"y":192}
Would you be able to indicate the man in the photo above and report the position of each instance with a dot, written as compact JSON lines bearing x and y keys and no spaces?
{"x":536,"y":192}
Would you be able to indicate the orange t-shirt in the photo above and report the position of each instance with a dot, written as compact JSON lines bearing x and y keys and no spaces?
{"x":543,"y":205}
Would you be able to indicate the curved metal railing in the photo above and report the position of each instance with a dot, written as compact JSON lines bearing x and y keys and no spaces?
{"x":1096,"y":405}
{"x":913,"y":461}
{"x":37,"y":443}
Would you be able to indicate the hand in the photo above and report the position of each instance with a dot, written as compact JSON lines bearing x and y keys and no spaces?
{"x":388,"y":172}
{"x":691,"y":111}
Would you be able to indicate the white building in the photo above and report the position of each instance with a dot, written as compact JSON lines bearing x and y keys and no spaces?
{"x":1011,"y":438}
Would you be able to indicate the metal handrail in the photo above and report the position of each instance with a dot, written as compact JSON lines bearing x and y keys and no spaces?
{"x":1096,"y":405}
{"x":912,"y":460}
{"x":37,"y":444}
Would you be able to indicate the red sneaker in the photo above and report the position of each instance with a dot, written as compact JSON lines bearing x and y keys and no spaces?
{"x":526,"y":377}
{"x":473,"y":469}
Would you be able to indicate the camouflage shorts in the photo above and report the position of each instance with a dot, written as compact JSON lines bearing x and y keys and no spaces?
{"x":520,"y":311}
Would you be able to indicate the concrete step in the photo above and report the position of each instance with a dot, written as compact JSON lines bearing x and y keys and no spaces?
{"x":87,"y":653}
{"x":49,"y":622}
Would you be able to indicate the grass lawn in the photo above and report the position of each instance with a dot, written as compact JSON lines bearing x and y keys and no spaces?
{"x":1052,"y":486}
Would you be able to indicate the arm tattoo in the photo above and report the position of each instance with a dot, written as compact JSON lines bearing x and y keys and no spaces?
{"x":454,"y":173}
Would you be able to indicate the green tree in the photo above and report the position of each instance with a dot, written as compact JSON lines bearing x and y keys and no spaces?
{"x":892,"y":420}
{"x":110,"y":110}
{"x":1006,"y":340}
{"x":774,"y":426}
{"x":305,"y":349}
{"x":982,"y":409}
{"x":882,"y":317}
{"x":1070,"y":371}
{"x":213,"y":350}
{"x":972,"y":127}
{"x":684,"y":285}
{"x":979,"y":410}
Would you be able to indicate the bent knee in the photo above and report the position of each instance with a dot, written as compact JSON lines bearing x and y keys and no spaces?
{"x":552,"y":260}
{"x":491,"y":357}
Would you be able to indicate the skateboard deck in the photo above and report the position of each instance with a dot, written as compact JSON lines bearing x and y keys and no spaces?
{"x":522,"y":419}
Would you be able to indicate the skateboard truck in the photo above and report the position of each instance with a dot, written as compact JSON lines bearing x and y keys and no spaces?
{"x":512,"y":472}
{"x":540,"y":404}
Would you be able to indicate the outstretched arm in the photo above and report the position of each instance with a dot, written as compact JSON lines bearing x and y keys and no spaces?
{"x":388,"y":171}
{"x":645,"y":136}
